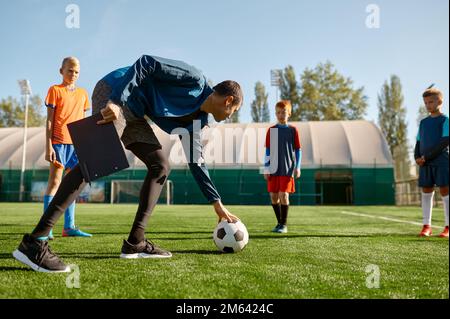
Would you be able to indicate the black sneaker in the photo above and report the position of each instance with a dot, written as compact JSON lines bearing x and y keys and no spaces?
{"x":145,"y":249}
{"x":37,"y":254}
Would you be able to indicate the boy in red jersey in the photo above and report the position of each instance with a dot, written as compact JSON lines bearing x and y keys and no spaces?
{"x":283,"y":159}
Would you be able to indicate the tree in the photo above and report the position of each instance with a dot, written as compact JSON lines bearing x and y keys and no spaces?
{"x":234,"y":118}
{"x":260,"y":107}
{"x":423,"y":113}
{"x":392,"y":121}
{"x":326,"y":95}
{"x":12,"y":112}
{"x":289,"y":90}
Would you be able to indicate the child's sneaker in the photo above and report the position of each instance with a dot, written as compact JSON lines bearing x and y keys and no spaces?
{"x":74,"y":232}
{"x":145,"y":249}
{"x":444,"y":233}
{"x":426,"y":231}
{"x":282,"y":229}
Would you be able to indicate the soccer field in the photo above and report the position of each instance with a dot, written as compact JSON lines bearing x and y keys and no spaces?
{"x":325,"y":254}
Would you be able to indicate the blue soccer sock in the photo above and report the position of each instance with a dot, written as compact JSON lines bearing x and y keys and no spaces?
{"x":47,"y":201}
{"x":69,"y":216}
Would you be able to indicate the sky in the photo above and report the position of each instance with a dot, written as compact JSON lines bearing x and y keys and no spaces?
{"x":241,"y":40}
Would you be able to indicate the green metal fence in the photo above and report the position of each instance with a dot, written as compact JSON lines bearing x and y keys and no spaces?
{"x":351,"y":186}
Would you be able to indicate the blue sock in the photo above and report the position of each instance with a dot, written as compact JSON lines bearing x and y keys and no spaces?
{"x":47,"y":200}
{"x":69,"y":216}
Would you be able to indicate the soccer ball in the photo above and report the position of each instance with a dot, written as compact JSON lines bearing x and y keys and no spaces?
{"x":230,"y":237}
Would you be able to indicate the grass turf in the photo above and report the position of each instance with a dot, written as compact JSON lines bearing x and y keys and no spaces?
{"x":324,"y":255}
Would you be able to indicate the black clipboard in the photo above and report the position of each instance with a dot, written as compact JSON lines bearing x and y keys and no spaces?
{"x":98,"y":147}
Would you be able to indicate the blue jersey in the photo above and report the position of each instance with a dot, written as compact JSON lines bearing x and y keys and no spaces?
{"x":288,"y":150}
{"x":431,"y":132}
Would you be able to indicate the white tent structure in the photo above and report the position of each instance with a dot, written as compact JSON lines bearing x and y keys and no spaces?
{"x":324,"y":144}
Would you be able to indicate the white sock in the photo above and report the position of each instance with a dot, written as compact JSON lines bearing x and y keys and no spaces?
{"x":427,"y":207}
{"x":445,"y":204}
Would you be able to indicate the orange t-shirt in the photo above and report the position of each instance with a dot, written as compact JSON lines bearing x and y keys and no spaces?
{"x":69,"y":107}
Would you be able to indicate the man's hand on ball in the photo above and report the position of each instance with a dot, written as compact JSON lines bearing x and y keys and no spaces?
{"x":223,"y":213}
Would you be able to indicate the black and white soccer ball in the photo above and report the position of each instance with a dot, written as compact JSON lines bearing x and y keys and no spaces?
{"x":230,"y":237}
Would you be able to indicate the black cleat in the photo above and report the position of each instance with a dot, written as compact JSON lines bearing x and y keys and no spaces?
{"x":37,"y":255}
{"x":145,"y":249}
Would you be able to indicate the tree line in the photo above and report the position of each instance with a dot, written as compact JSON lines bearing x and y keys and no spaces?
{"x":323,"y":94}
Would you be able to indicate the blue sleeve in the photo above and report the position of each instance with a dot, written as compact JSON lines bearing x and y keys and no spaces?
{"x":267,"y":157}
{"x":201,"y":176}
{"x":199,"y":170}
{"x":445,"y":128}
{"x":144,"y":67}
{"x":417,"y":150}
{"x":442,"y":144}
{"x":298,"y":158}
{"x":418,"y":132}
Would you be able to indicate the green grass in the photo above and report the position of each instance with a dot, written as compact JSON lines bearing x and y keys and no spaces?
{"x":324,"y":255}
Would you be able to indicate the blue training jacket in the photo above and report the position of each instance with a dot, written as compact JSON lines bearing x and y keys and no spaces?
{"x":165,"y":90}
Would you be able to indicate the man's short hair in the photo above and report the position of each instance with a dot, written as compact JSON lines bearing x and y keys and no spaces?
{"x":434,"y":92}
{"x":230,"y":88}
{"x":284,"y":104}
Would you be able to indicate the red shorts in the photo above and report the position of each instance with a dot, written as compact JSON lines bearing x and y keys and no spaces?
{"x":276,"y":184}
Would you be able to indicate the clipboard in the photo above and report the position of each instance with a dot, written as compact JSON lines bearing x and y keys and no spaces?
{"x":98,"y":147}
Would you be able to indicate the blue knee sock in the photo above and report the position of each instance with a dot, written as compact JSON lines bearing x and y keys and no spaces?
{"x":47,"y":200}
{"x":69,"y":216}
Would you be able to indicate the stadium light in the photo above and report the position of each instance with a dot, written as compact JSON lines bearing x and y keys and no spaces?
{"x":25,"y":90}
{"x":275,"y":79}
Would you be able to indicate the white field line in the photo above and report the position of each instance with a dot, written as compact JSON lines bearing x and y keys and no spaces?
{"x":385,"y":218}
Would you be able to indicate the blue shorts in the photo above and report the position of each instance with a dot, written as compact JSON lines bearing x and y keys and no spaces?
{"x":65,"y":154}
{"x":430,"y":176}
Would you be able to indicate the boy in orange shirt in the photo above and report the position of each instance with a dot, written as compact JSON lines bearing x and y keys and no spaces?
{"x":285,"y":156}
{"x":65,"y":103}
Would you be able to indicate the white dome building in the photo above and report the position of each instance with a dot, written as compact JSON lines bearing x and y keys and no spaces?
{"x":342,"y":162}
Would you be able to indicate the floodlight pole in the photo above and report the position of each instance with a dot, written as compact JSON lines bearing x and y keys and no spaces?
{"x":275,"y":79}
{"x":25,"y":90}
